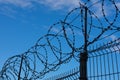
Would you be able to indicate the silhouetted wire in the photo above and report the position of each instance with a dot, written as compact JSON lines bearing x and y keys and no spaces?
{"x":26,"y":64}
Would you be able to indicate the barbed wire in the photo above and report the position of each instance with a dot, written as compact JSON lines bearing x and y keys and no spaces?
{"x":101,"y":57}
{"x":65,"y":41}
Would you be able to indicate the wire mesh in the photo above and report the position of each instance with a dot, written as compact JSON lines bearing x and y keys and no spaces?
{"x":103,"y":64}
{"x":65,"y":41}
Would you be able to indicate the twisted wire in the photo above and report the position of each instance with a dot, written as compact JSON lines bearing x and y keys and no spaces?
{"x":65,"y":41}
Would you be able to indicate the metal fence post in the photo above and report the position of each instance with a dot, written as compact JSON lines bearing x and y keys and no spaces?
{"x":84,"y":55}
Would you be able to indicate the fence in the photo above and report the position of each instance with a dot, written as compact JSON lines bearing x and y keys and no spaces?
{"x":103,"y":64}
{"x":74,"y":37}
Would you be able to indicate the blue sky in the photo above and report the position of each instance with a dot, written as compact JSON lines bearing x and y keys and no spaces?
{"x":23,"y":22}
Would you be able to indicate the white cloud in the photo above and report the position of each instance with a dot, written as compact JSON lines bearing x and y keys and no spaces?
{"x":28,"y":4}
{"x":118,"y":5}
{"x":53,"y":4}
{"x":108,"y":7}
{"x":97,"y":10}
{"x":113,"y":37}
{"x":60,"y":4}
{"x":55,"y":30}
{"x":8,"y":7}
{"x":116,"y":47}
{"x":96,"y":7}
{"x":18,"y":3}
{"x":7,"y":11}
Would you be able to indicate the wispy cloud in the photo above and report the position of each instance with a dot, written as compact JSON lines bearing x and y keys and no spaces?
{"x":53,"y":4}
{"x":113,"y":37}
{"x":97,"y":9}
{"x":118,"y":5}
{"x":60,"y":4}
{"x":18,"y":3}
{"x":55,"y":30}
{"x":9,"y":6}
{"x":7,"y":11}
{"x":106,"y":8}
{"x":57,"y":5}
{"x":117,"y":47}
